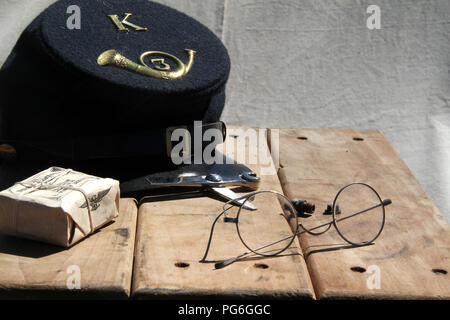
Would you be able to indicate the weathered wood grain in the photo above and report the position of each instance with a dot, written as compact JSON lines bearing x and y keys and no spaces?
{"x":172,"y":237}
{"x":413,"y":252}
{"x":30,"y":269}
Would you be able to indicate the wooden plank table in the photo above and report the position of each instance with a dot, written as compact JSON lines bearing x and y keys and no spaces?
{"x":412,"y":256}
{"x":103,"y":262}
{"x":172,"y":237}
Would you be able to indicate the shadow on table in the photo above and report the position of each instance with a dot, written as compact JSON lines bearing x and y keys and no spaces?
{"x":36,"y":249}
{"x":27,"y":248}
{"x":330,"y":247}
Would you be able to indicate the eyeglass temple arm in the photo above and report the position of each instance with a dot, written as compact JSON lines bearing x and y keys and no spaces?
{"x":212,"y":232}
{"x":384,"y":203}
{"x":224,"y":263}
{"x":225,"y":209}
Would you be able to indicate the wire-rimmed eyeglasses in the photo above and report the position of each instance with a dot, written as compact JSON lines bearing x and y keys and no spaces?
{"x":358,"y":215}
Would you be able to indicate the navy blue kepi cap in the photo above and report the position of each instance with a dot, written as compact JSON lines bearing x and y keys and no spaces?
{"x":91,"y":68}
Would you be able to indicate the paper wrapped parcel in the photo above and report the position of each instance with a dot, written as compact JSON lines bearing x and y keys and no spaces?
{"x":58,"y":206}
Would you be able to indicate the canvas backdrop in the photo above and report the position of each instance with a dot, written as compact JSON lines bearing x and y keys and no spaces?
{"x":315,"y":64}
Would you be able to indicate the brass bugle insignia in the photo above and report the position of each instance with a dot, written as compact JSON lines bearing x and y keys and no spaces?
{"x":161,"y":71}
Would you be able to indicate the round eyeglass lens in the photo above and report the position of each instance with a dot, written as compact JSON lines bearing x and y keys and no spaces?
{"x":270,"y":229}
{"x":358,"y":214}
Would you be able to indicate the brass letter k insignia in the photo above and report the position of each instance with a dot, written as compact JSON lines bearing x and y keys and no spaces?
{"x":121,"y":24}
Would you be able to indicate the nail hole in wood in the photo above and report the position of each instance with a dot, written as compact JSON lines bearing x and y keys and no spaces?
{"x":358,"y":139}
{"x":302,"y":138}
{"x":439,"y":271}
{"x":181,"y":265}
{"x":261,"y":266}
{"x":358,"y":269}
